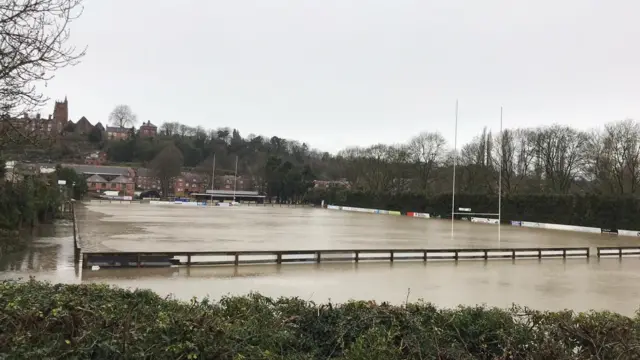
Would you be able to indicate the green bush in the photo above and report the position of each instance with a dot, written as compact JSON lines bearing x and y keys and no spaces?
{"x":43,"y":321}
{"x":583,"y":210}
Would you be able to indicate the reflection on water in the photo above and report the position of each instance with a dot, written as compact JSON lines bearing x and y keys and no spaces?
{"x":578,"y":284}
{"x":48,"y":249}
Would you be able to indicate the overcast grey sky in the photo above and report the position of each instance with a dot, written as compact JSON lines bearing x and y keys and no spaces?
{"x":335,"y":73}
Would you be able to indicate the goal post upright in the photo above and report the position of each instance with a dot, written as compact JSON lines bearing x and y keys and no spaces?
{"x":455,"y":159}
{"x":453,"y":190}
{"x":500,"y":182}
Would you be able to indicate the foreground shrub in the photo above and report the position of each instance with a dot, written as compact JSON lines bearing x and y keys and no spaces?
{"x":40,"y":321}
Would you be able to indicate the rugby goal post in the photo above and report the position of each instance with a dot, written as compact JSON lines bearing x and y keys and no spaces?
{"x":467,"y":211}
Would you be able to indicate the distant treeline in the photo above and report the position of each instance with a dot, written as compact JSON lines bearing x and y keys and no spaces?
{"x":612,"y":212}
{"x":542,"y":160}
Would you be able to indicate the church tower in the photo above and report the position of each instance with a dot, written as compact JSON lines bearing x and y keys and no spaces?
{"x":60,"y":115}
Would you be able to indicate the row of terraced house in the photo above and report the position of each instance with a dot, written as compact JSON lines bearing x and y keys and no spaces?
{"x":127,"y":180}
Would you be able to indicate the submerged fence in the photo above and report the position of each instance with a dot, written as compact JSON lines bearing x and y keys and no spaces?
{"x":139,"y":259}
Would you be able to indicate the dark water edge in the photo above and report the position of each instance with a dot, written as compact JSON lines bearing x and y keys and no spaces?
{"x":36,"y":249}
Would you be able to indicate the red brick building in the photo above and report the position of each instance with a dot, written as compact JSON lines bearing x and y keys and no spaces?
{"x":188,"y":183}
{"x":148,"y":129}
{"x":226,"y":182}
{"x":145,"y":180}
{"x":53,"y":125}
{"x":184,"y":184}
{"x":118,"y":133}
{"x":101,"y":178}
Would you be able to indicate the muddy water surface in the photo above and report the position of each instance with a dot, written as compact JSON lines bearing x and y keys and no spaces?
{"x":547,"y":284}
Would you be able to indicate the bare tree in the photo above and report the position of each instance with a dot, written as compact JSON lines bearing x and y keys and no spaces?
{"x":476,"y":165}
{"x":166,"y":166}
{"x":514,"y":149}
{"x":561,"y":151}
{"x":613,"y":157}
{"x":170,"y":128}
{"x":34,"y":38}
{"x":122,"y":116}
{"x":426,"y":151}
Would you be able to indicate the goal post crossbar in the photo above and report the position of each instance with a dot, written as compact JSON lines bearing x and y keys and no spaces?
{"x":472,"y":213}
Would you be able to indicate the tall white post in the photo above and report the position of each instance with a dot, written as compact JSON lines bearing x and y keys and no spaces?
{"x":213,"y":176}
{"x":235,"y":180}
{"x":455,"y":160}
{"x":500,"y":180}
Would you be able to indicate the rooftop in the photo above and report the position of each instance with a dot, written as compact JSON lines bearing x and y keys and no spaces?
{"x":83,"y":119}
{"x":116,"y":129}
{"x":230,"y":192}
{"x":99,"y":170}
{"x":96,"y":179}
{"x":144,"y":172}
{"x":122,"y":180}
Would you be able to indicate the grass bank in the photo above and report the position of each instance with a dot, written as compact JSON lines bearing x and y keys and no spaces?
{"x":40,"y":321}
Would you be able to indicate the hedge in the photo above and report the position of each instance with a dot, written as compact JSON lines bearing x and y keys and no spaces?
{"x":582,"y":210}
{"x":44,"y":321}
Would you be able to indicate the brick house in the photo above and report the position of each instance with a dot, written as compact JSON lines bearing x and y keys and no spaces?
{"x":188,"y":183}
{"x":97,"y":183}
{"x":145,"y":180}
{"x":118,"y":133}
{"x":226,"y":182}
{"x":36,"y":125}
{"x":148,"y":129}
{"x":101,"y":178}
{"x":122,"y":184}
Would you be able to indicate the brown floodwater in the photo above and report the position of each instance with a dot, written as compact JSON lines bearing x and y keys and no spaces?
{"x":579,"y":284}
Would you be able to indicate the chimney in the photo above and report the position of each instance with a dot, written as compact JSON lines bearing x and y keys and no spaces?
{"x":38,"y":116}
{"x":49,"y":116}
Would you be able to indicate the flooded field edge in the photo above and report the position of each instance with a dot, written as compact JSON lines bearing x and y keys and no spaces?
{"x":552,"y":284}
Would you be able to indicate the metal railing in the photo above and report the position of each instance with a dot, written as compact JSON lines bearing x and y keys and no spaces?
{"x":189,"y":258}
